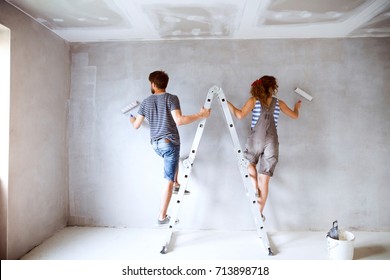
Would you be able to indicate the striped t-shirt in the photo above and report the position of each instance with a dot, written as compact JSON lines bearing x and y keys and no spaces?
{"x":257,"y":110}
{"x":157,"y":110}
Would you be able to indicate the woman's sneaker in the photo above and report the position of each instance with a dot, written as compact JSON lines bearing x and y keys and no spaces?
{"x":165,"y":221}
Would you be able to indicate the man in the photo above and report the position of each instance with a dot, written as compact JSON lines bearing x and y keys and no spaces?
{"x":162,"y":110}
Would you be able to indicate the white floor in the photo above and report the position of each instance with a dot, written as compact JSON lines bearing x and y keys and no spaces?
{"x":92,"y":243}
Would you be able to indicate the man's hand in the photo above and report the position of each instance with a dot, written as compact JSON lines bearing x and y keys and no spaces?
{"x":205,"y":113}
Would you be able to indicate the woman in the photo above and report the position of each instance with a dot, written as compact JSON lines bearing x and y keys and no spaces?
{"x":262,"y":146}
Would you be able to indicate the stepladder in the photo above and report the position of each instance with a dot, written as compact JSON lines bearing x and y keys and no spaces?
{"x":188,"y":163}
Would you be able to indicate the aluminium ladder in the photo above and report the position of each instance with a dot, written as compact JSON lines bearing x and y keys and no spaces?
{"x":242,"y":163}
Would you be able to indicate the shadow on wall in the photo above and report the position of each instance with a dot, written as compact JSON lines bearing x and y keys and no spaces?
{"x":3,"y":222}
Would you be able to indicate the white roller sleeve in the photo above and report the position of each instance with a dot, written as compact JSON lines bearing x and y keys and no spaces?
{"x":303,"y":94}
{"x":129,"y":107}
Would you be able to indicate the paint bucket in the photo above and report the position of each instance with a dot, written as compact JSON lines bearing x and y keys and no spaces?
{"x":342,"y":248}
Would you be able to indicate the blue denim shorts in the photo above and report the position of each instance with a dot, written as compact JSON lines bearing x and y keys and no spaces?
{"x":170,"y":153}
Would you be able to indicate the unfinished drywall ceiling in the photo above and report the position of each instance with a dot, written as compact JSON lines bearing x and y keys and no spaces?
{"x":105,"y":20}
{"x":305,"y":12}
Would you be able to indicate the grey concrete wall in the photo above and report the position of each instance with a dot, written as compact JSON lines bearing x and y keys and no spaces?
{"x":38,"y":166}
{"x":333,"y":159}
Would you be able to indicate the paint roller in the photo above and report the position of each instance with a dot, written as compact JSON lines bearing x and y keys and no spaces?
{"x":303,"y":94}
{"x":129,"y":107}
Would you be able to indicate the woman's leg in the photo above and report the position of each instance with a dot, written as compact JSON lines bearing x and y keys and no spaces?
{"x":254,"y":179}
{"x":263,"y":185}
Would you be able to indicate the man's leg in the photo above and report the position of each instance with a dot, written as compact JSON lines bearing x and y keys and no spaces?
{"x":176,"y":182}
{"x":166,"y":198}
{"x":171,"y":155}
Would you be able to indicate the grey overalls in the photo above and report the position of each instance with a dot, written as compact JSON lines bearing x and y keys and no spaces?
{"x":262,"y":145}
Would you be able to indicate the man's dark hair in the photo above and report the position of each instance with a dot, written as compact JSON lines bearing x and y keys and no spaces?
{"x":159,"y":78}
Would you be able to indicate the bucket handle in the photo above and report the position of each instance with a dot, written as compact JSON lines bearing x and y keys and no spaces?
{"x":334,"y":228}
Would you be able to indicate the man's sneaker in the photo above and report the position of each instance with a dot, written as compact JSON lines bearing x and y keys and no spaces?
{"x":165,"y":221}
{"x":176,"y":190}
